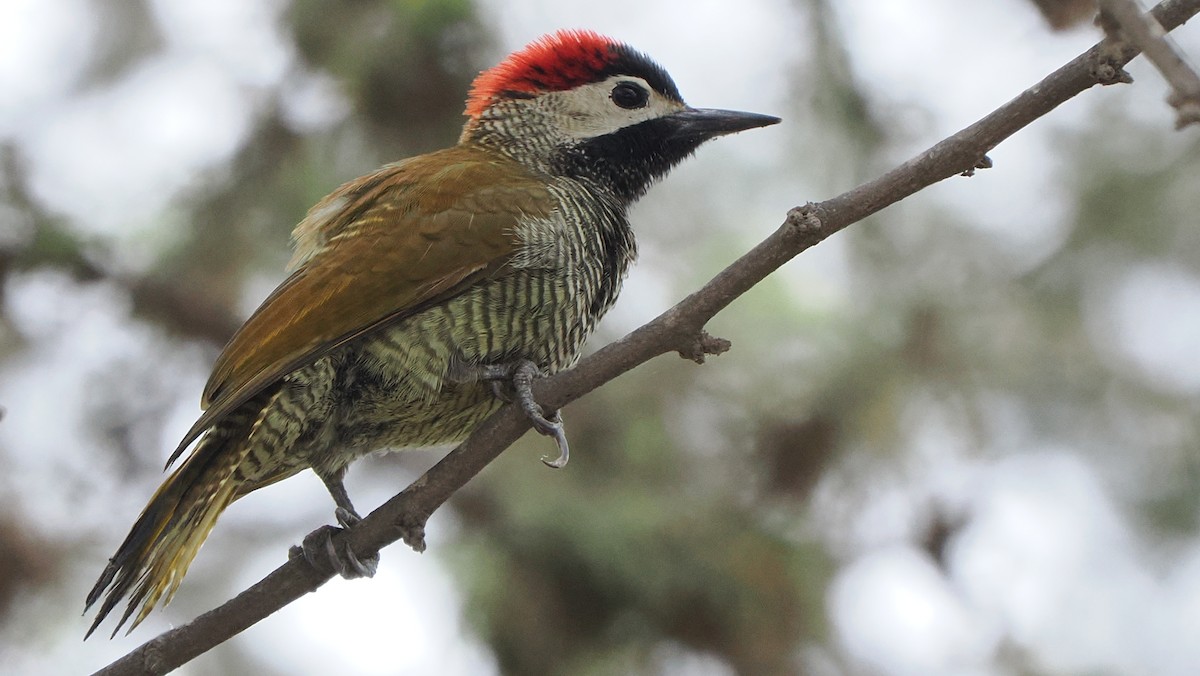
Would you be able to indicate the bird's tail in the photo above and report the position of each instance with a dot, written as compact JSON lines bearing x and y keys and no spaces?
{"x":151,"y":562}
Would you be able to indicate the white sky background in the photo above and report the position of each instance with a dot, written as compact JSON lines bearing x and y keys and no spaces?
{"x":1048,"y":562}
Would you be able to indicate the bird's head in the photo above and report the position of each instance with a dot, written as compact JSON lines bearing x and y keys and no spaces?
{"x":578,"y":104}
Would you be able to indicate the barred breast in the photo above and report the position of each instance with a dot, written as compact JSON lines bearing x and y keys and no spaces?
{"x":415,"y":383}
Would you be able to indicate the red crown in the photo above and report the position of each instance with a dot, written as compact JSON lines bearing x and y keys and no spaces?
{"x":554,"y":62}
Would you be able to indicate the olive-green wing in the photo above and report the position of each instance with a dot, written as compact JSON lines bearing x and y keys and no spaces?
{"x":376,"y":250}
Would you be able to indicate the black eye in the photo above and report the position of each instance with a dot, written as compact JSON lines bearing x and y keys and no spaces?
{"x":630,"y":95}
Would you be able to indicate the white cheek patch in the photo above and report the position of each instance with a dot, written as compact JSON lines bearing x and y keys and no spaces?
{"x":589,"y":111}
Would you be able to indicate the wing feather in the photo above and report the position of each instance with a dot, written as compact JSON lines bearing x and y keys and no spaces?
{"x":378,"y":249}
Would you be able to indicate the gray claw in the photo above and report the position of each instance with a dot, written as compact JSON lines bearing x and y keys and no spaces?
{"x":362,"y":568}
{"x":564,"y":450}
{"x":346,"y":518}
{"x":520,"y":375}
{"x":318,"y":549}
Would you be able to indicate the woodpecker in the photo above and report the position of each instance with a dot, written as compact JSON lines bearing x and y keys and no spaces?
{"x":423,"y":295}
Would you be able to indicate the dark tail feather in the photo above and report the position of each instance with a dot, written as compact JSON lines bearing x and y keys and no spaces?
{"x":154,"y":557}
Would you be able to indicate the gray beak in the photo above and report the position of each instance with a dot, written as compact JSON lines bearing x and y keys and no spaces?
{"x":705,"y":123}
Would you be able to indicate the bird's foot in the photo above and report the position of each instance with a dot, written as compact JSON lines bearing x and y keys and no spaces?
{"x":521,"y":375}
{"x":346,"y":517}
{"x":552,"y":426}
{"x":320,"y":552}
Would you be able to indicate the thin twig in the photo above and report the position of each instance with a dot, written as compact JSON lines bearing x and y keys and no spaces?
{"x":1144,"y":31}
{"x":677,"y":329}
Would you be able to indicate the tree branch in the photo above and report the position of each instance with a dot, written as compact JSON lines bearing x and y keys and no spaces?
{"x":678,"y":329}
{"x":1143,"y":31}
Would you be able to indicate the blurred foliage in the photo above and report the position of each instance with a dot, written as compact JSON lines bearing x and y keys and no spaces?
{"x":1064,"y":14}
{"x":687,"y":521}
{"x":588,"y":571}
{"x":406,"y":67}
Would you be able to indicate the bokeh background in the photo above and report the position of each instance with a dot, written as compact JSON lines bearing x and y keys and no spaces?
{"x":958,"y":438}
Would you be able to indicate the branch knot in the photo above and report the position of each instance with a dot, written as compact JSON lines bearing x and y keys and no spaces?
{"x":805,"y":220}
{"x":703,"y":344}
{"x":1109,"y":66}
